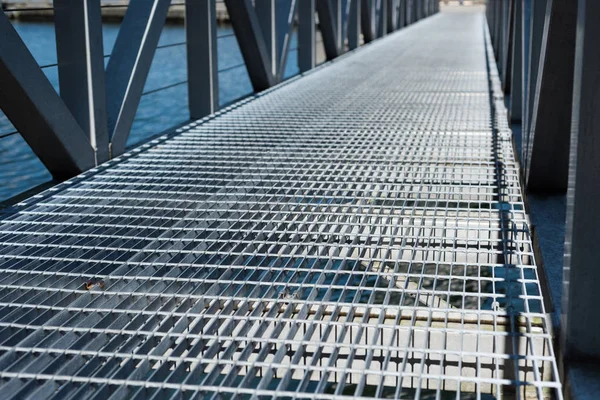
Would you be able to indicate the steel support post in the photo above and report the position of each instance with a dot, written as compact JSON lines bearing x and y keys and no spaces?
{"x":203,"y":77}
{"x":382,"y":18}
{"x":367,"y":19}
{"x":538,"y":16}
{"x":498,"y":31}
{"x":129,"y":65}
{"x":526,"y":43}
{"x":327,"y":26}
{"x":354,"y":24}
{"x":503,"y":43}
{"x":516,"y":87}
{"x":392,"y":15}
{"x":417,"y":10}
{"x":306,"y":35}
{"x":491,"y":19}
{"x":338,"y":24}
{"x":80,"y":53}
{"x":37,"y":111}
{"x":252,"y":43}
{"x":507,"y":68}
{"x":581,"y":315}
{"x":401,"y":17}
{"x":266,"y":16}
{"x":548,"y":161}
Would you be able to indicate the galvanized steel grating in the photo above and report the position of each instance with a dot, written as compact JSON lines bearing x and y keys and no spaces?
{"x":356,"y":232}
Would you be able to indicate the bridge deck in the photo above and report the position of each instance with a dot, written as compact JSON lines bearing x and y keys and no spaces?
{"x":359,"y":231}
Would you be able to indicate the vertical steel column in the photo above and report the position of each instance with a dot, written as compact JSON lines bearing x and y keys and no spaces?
{"x":516,"y":87}
{"x":498,"y":31}
{"x":507,"y":68}
{"x":203,"y":77}
{"x":526,"y":42}
{"x":538,"y":16}
{"x":548,"y":161}
{"x":418,"y":7}
{"x":338,"y":24}
{"x":327,"y":26}
{"x":354,"y":24}
{"x":367,"y":20}
{"x":265,"y":12}
{"x":392,"y":15}
{"x":80,"y":53}
{"x":307,"y":35}
{"x":503,"y":42}
{"x":581,"y":315}
{"x":382,"y":18}
{"x":400,"y":18}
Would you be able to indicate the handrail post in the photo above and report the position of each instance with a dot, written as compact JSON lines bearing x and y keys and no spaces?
{"x":354,"y":25}
{"x":80,"y":53}
{"x":306,"y":36}
{"x":203,"y":79}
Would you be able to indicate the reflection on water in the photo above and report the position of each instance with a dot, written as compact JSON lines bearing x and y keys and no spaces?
{"x":19,"y":167}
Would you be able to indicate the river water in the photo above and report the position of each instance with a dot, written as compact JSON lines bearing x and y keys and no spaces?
{"x":21,"y":170}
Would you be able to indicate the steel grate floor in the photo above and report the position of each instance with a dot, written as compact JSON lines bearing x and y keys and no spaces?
{"x":357,"y":232}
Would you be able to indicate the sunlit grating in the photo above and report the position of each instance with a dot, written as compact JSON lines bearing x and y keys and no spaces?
{"x":359,"y":231}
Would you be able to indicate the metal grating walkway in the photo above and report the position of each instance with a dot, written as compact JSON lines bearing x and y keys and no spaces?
{"x":359,"y":231}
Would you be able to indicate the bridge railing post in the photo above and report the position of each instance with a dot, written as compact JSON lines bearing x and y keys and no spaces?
{"x":80,"y":54}
{"x":546,"y":167}
{"x":307,"y":40}
{"x":516,"y":87}
{"x":354,"y":24}
{"x":202,"y":66}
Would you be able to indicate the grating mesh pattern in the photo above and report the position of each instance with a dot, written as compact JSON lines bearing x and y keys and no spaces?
{"x":356,"y":232}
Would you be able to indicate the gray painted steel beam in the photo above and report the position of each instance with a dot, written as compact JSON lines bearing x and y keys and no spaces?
{"x":516,"y":87}
{"x":526,"y":43}
{"x":284,"y":29}
{"x":548,"y":159}
{"x":392,"y":15}
{"x":507,"y":69}
{"x":266,"y":16}
{"x":354,"y":24}
{"x":581,"y":315}
{"x":80,"y":53}
{"x":327,"y":25}
{"x":252,"y":43}
{"x":203,"y":79}
{"x":538,"y":16}
{"x":129,"y":65}
{"x":37,"y":111}
{"x":382,"y":18}
{"x":367,"y":20}
{"x":338,"y":23}
{"x":306,"y":35}
{"x":400,"y":18}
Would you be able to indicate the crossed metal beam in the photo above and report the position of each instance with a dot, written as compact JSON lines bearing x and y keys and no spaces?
{"x":90,"y":121}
